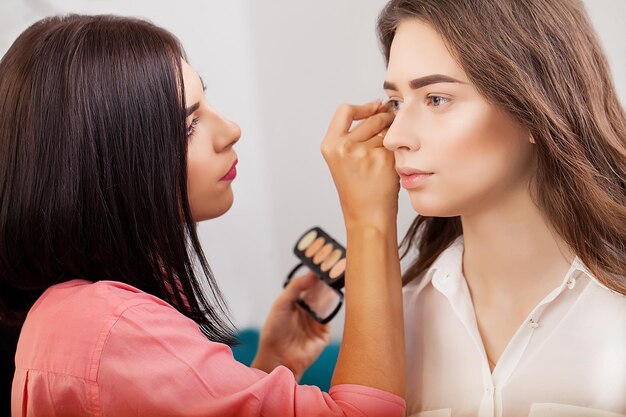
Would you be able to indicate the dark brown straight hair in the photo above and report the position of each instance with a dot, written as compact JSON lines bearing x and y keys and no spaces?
{"x":540,"y":61}
{"x":93,"y":167}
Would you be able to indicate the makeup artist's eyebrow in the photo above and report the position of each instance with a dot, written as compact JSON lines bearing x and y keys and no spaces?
{"x":191,"y":109}
{"x":202,"y":82}
{"x":423,"y":82}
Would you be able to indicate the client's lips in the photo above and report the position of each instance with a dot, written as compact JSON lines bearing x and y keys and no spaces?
{"x":411,"y":177}
{"x":232,"y":172}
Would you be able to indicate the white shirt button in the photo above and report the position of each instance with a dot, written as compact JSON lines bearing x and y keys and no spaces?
{"x":533,"y":324}
{"x":571,"y":283}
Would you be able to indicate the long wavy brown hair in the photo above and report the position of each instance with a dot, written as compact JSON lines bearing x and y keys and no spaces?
{"x":542,"y":62}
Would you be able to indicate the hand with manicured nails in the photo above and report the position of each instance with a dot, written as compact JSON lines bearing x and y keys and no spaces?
{"x":290,"y":337}
{"x":362,"y":169}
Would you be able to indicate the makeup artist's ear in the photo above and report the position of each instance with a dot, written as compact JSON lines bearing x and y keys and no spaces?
{"x":531,"y":139}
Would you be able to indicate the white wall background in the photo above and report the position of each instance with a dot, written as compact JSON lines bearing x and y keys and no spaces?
{"x":279,"y":68}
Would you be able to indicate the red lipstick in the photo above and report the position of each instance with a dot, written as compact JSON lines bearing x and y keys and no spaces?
{"x":232,"y":172}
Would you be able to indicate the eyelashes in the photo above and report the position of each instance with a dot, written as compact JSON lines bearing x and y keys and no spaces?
{"x":192,"y":127}
{"x":437,"y":101}
{"x":395,"y":105}
{"x":431,"y":101}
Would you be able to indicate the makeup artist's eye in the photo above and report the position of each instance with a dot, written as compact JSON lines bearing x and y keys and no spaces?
{"x":437,"y":101}
{"x":192,"y":127}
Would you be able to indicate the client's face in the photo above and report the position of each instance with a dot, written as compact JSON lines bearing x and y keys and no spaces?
{"x":211,"y":158}
{"x":455,"y":152}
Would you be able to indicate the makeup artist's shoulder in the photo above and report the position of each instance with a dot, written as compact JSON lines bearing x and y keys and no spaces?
{"x":126,"y":294}
{"x":112,"y":296}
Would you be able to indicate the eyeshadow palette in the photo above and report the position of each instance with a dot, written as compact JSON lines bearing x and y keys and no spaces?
{"x":325,"y":257}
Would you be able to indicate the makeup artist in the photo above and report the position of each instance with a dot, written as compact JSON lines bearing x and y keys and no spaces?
{"x":110,"y":155}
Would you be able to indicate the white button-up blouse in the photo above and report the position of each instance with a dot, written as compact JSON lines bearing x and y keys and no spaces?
{"x":567,"y":359}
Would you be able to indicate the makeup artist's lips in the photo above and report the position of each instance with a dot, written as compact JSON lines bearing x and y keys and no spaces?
{"x":232,"y":172}
{"x":412,"y":178}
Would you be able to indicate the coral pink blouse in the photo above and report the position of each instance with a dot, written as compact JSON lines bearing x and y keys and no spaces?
{"x":109,"y":349}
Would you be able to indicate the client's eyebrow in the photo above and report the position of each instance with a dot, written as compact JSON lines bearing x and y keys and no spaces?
{"x":191,"y":109}
{"x":423,"y":82}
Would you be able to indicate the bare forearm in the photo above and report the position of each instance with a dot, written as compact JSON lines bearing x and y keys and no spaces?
{"x":372,"y":348}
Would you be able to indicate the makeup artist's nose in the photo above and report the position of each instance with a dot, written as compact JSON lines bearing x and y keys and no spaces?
{"x":401,"y":134}
{"x":230,"y":133}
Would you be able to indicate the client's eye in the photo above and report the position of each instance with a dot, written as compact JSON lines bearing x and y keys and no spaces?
{"x":437,"y":101}
{"x":396,"y":105}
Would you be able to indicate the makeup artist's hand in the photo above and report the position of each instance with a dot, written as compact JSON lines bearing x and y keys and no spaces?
{"x":290,"y":337}
{"x":368,"y":187}
{"x":362,"y":169}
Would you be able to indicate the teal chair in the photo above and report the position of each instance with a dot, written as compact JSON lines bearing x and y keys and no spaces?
{"x":319,"y":373}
